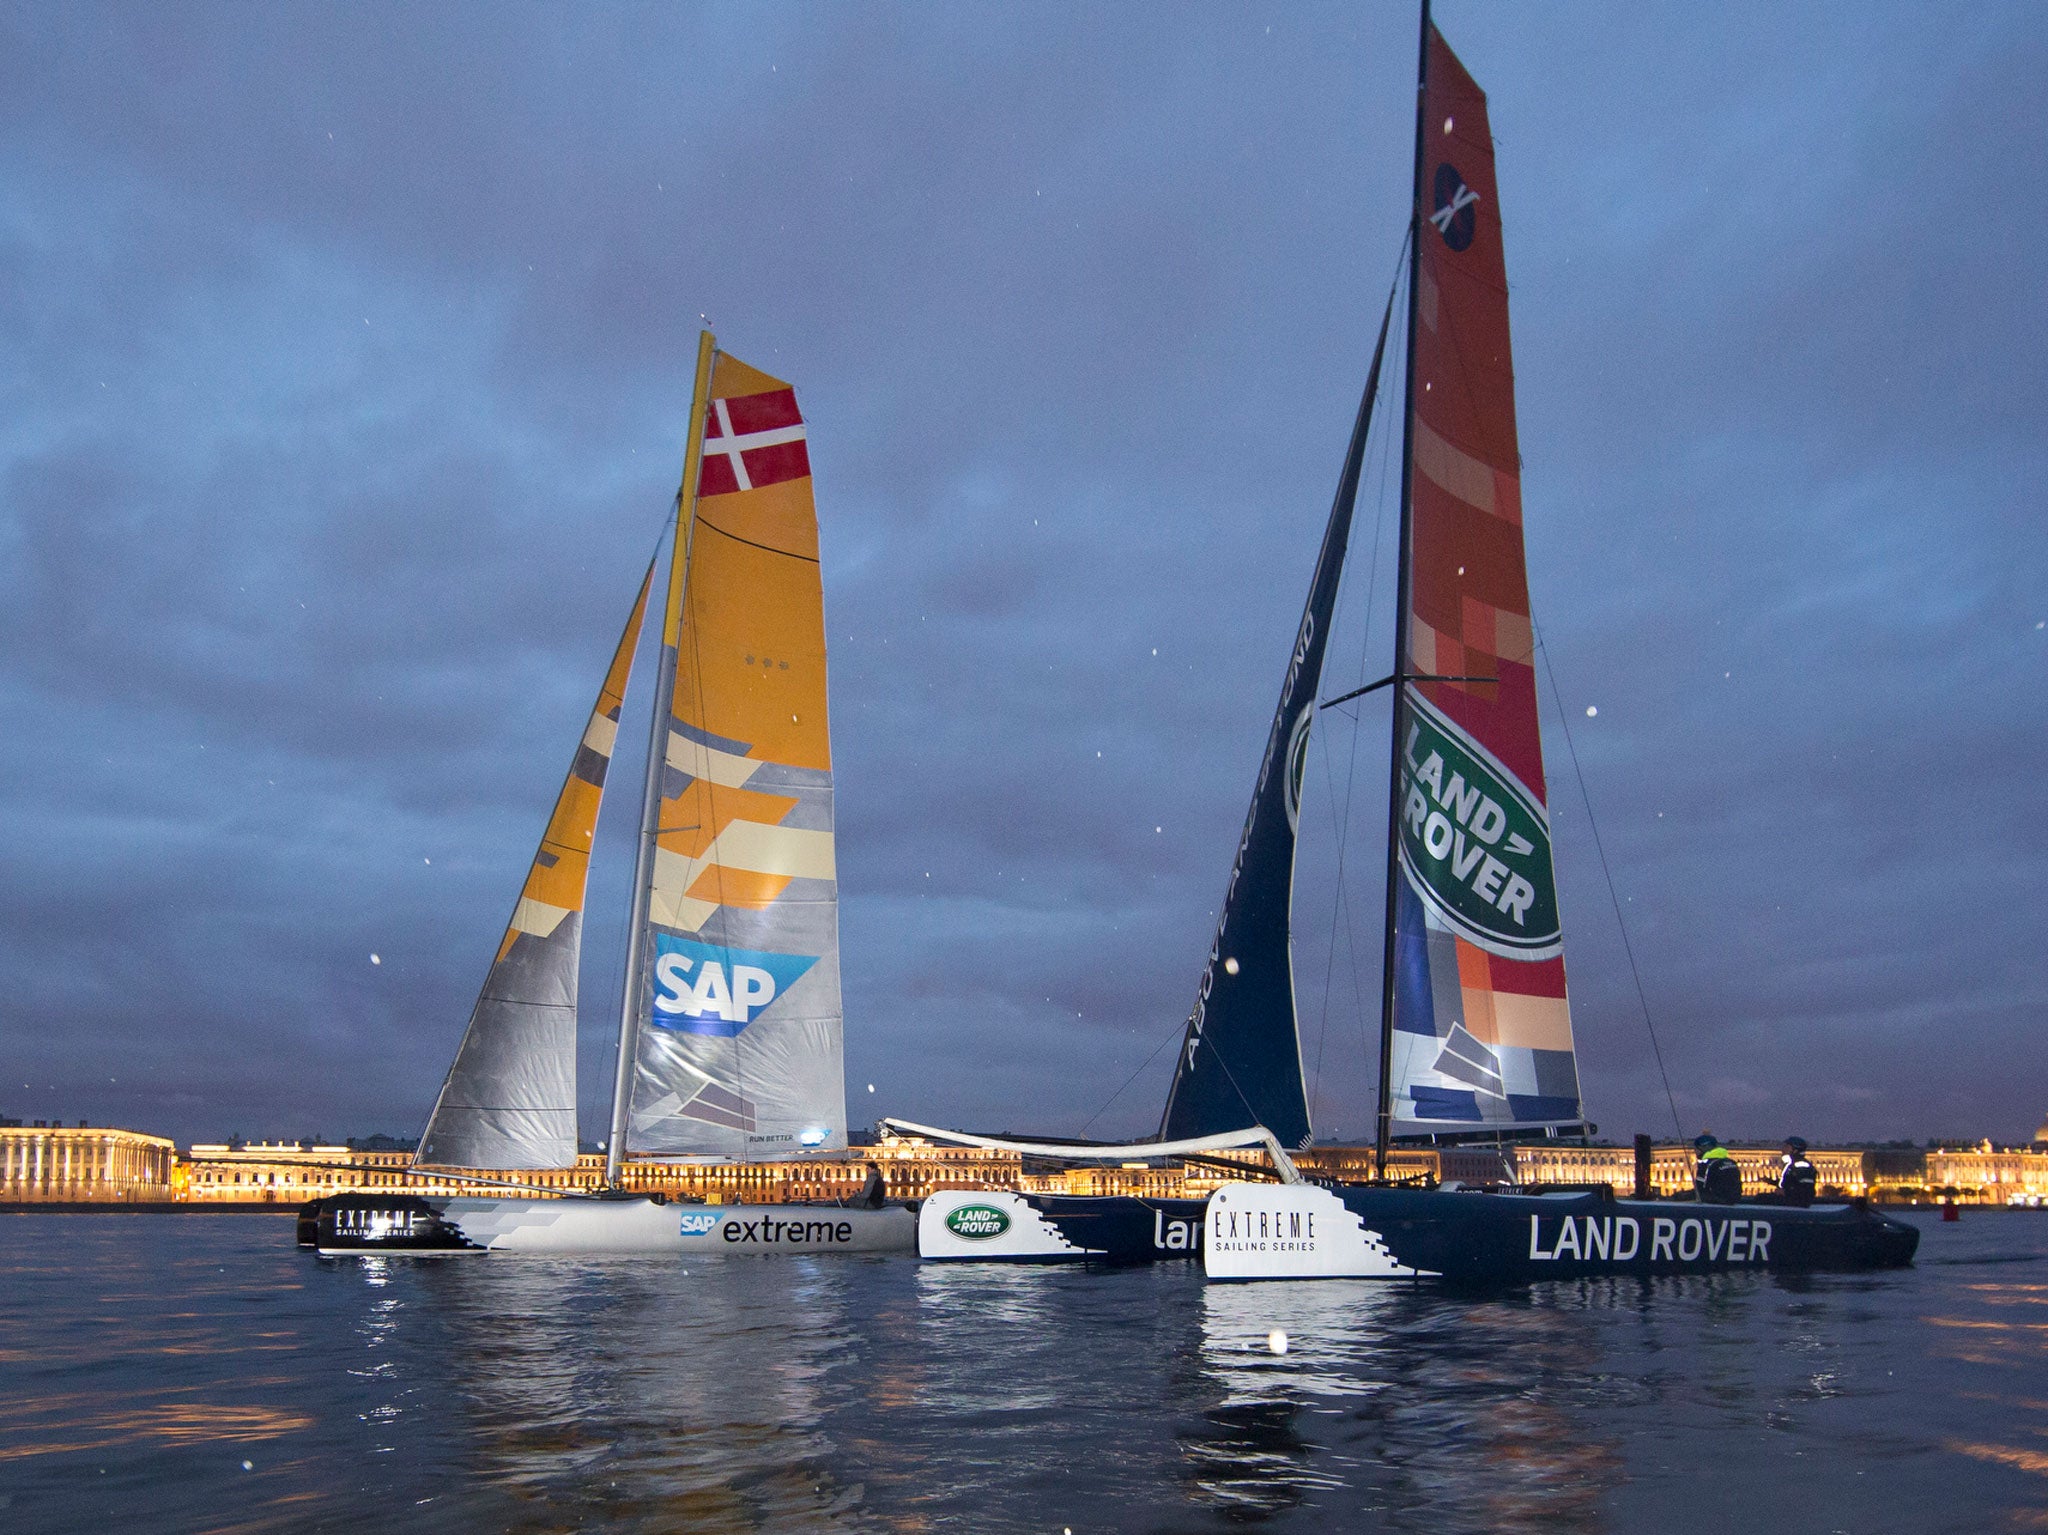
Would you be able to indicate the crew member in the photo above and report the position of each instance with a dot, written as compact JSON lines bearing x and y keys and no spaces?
{"x":1716,"y":1176}
{"x":1796,"y":1179}
{"x":872,"y":1193}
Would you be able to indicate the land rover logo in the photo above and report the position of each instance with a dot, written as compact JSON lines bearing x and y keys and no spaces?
{"x":1454,"y":218}
{"x":977,"y":1223}
{"x":1297,"y":765}
{"x":1475,"y":841}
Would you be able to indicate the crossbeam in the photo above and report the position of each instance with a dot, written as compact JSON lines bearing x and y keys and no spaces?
{"x":1234,"y":1140}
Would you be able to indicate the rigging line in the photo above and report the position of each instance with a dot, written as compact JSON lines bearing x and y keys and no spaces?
{"x":1557,"y":701}
{"x":1372,"y":580}
{"x":1228,"y":1076}
{"x":1178,"y":1028}
{"x":1404,"y":274}
{"x":615,"y":996}
{"x":1341,"y":908}
{"x":1340,"y":911}
{"x":484,"y":992}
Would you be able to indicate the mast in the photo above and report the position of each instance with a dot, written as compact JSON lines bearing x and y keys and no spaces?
{"x":1384,"y":1120}
{"x":635,"y":986}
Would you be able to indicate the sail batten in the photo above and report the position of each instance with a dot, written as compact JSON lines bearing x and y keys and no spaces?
{"x":737,"y":1049}
{"x":1480,"y":1017}
{"x":509,"y":1100}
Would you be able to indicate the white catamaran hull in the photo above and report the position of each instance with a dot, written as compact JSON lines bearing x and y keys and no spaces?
{"x":983,"y":1227}
{"x":430,"y":1227}
{"x":1291,"y":1231}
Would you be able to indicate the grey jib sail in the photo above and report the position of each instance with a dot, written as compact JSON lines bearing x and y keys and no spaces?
{"x":510,"y":1098}
{"x":1240,"y":1062}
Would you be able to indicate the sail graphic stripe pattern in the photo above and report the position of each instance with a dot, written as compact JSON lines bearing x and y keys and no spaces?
{"x":1482,"y":1018}
{"x":740,"y":1046}
{"x":509,"y":1101}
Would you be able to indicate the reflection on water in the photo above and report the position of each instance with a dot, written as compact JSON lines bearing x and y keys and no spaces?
{"x":652,"y":1395}
{"x":1391,"y":1398}
{"x":1245,"y":1454}
{"x":198,"y":1373}
{"x":1335,"y":1329}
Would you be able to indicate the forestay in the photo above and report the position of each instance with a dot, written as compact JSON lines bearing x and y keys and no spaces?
{"x":1240,"y":1060}
{"x":509,"y":1101}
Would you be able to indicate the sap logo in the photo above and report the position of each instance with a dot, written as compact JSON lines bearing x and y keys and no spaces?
{"x":700,"y":988}
{"x":699,"y":1225}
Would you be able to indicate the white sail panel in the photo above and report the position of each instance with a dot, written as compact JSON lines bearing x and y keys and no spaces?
{"x":509,"y":1101}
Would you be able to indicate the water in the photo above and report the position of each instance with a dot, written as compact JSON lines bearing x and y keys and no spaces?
{"x":175,"y":1373}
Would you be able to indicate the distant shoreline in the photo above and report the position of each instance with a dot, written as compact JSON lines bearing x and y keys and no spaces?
{"x":142,"y":1207}
{"x":225,"y":1207}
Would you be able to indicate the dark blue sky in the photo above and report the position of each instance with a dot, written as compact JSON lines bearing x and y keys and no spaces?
{"x":343,"y":359}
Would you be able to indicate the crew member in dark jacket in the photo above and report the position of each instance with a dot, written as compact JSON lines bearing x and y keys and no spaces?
{"x":872,"y":1195}
{"x":1716,"y":1176}
{"x":1797,"y":1180}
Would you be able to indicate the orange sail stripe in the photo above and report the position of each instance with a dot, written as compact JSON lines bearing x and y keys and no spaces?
{"x":703,"y":810}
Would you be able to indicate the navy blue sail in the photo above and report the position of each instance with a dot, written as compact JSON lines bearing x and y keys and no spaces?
{"x":1240,"y":1062}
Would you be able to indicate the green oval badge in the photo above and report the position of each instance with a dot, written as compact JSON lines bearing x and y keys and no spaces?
{"x":977,"y":1223}
{"x":1475,"y":840}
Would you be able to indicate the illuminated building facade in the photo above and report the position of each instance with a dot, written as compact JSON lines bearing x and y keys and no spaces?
{"x":1840,"y":1173}
{"x":52,"y":1163}
{"x":1979,"y":1174}
{"x":291,"y":1172}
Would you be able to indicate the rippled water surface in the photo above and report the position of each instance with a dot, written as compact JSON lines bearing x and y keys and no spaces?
{"x":199,"y":1372}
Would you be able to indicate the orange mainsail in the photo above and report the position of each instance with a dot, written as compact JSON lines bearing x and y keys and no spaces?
{"x":738,"y":1044}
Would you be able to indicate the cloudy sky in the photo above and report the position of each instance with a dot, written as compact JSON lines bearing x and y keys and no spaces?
{"x":344,"y":353}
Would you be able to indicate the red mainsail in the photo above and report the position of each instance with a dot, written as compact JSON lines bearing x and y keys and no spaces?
{"x":1482,"y":1026}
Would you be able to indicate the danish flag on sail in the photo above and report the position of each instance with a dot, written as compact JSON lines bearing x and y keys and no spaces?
{"x":752,"y":440}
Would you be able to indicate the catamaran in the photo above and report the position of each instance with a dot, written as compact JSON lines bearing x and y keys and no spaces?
{"x":1476,"y":1034}
{"x":731,"y":1025}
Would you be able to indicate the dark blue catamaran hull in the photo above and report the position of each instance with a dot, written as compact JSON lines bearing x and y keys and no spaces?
{"x":962,"y":1226}
{"x":1276,"y":1231}
{"x":1518,"y":1238}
